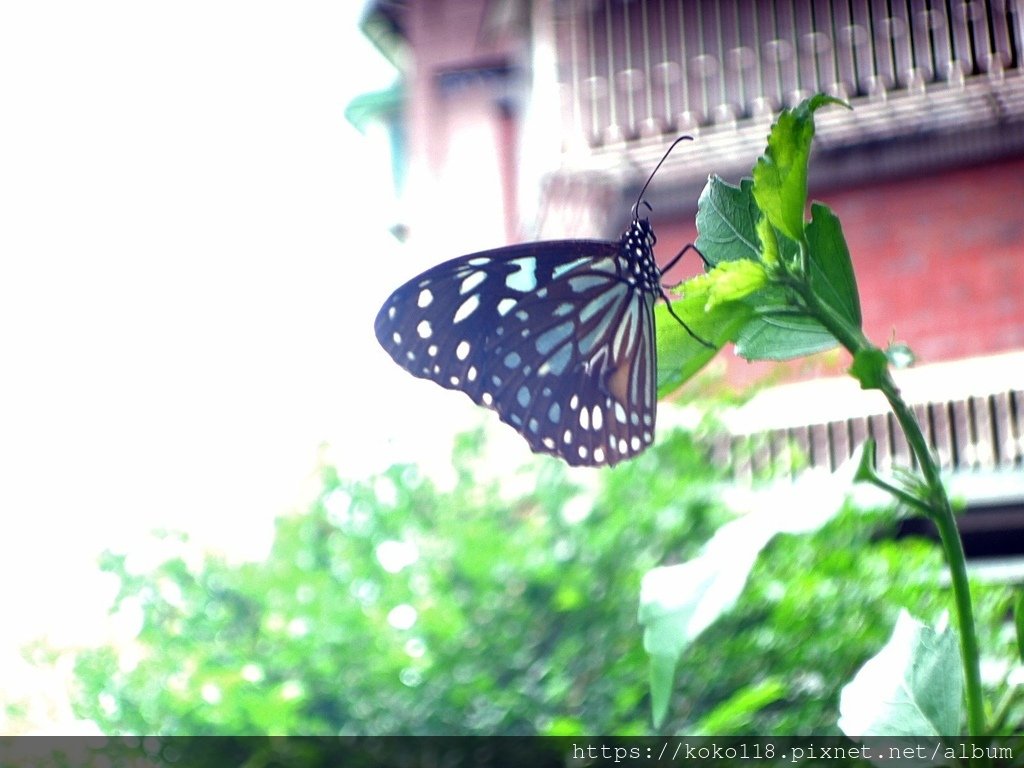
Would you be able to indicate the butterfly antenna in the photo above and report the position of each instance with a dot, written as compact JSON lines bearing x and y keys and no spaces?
{"x":640,"y":197}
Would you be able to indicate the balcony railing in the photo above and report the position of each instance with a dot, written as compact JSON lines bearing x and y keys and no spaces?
{"x":969,"y":435}
{"x":971,"y":413}
{"x":630,"y":70}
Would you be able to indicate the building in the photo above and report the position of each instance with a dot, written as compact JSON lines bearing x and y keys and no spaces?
{"x":525,"y":120}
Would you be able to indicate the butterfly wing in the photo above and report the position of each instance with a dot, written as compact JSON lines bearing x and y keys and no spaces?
{"x":438,"y":324}
{"x":587,"y":392}
{"x":549,"y":335}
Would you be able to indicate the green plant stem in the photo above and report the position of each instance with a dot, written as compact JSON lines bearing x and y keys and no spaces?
{"x":905,"y":496}
{"x":944,"y":519}
{"x":939,"y":508}
{"x":1002,"y":709}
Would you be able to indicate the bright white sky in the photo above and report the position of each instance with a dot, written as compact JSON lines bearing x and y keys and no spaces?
{"x":192,"y":250}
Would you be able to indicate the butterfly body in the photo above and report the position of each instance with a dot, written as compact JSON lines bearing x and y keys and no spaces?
{"x":556,"y":337}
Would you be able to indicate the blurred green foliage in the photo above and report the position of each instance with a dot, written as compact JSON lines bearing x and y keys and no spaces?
{"x":392,"y":606}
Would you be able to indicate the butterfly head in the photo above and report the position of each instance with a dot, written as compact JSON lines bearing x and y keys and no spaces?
{"x":641,"y":232}
{"x":637,"y":246}
{"x":638,"y":240}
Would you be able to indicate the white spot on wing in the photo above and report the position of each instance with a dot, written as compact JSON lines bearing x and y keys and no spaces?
{"x":585,"y":282}
{"x":524,"y":279}
{"x":472,"y":281}
{"x":467,"y":308}
{"x":424,"y":330}
{"x":523,"y":396}
{"x":553,"y":336}
{"x":561,"y":269}
{"x":425,"y":298}
{"x":558,"y":362}
{"x":625,"y":336}
{"x":601,"y":303}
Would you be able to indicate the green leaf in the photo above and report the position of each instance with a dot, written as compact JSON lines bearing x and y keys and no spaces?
{"x":708,"y":311}
{"x":777,"y":333}
{"x":734,"y":714}
{"x":1018,"y":618}
{"x":564,"y":726}
{"x":832,"y":275}
{"x":679,"y":602}
{"x":730,"y":228}
{"x":769,"y":241}
{"x":780,"y":175}
{"x":732,"y":281}
{"x":912,"y":687}
{"x":727,"y":221}
{"x":869,"y":367}
{"x":763,"y":220}
{"x":663,"y":675}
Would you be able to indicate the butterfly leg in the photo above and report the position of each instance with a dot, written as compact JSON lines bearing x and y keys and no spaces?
{"x":675,"y":259}
{"x":668,"y":302}
{"x":688,"y":329}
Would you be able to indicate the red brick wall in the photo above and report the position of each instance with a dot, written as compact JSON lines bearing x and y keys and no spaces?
{"x":939,"y":260}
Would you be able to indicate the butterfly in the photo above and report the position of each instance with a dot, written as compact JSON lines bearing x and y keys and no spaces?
{"x":557,"y":337}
